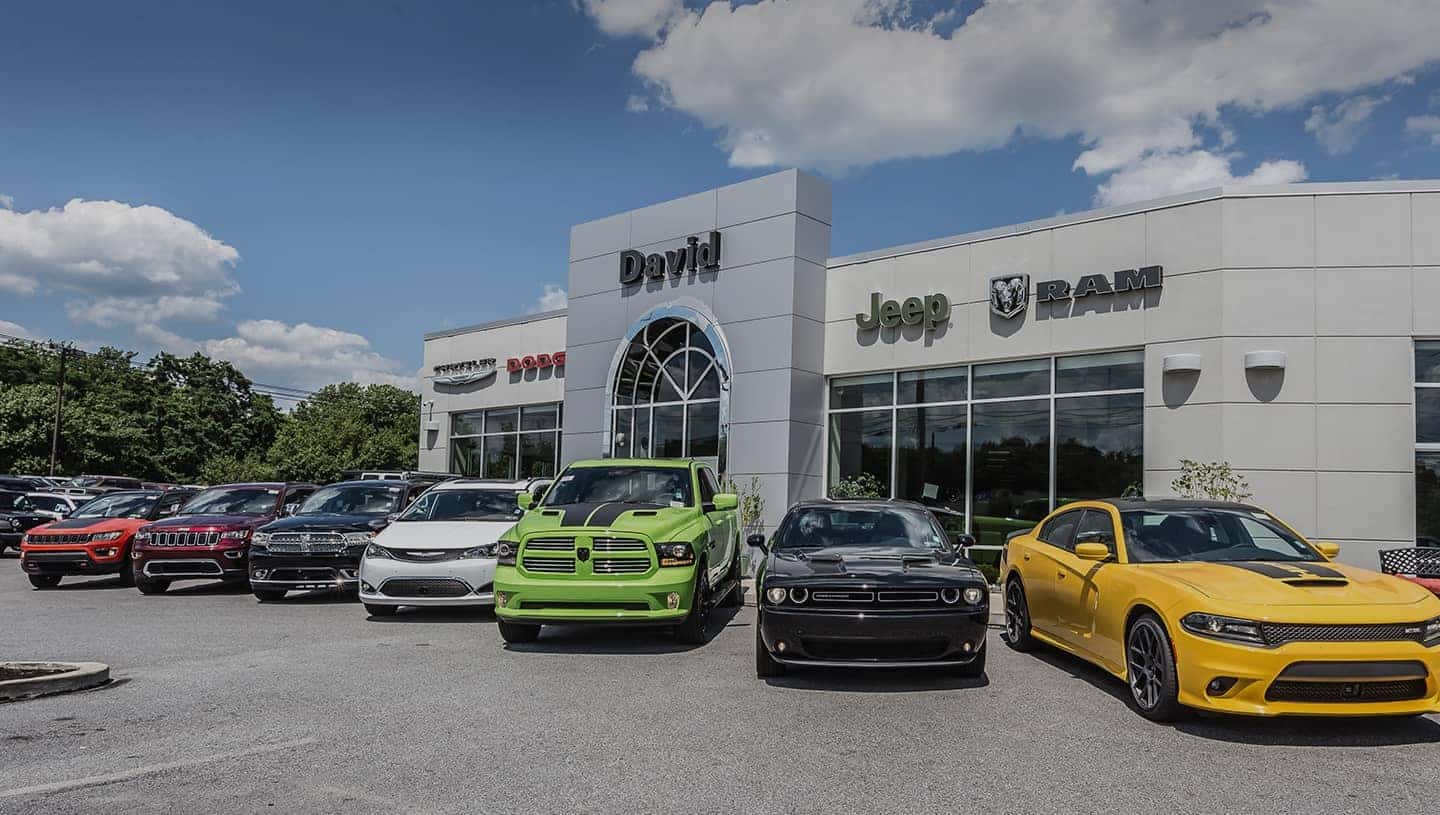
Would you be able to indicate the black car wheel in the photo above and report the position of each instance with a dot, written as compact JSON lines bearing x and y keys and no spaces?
{"x":518,"y":632}
{"x":695,"y":627}
{"x":765,"y":665}
{"x":44,"y":581}
{"x":1017,"y":617}
{"x":268,"y":595}
{"x":148,"y":585}
{"x":1150,"y":669}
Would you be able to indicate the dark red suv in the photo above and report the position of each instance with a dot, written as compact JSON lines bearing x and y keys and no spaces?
{"x":210,"y":537}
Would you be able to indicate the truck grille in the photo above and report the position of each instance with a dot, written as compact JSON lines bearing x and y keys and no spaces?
{"x":619,"y":545}
{"x":1284,"y":633}
{"x":550,"y":544}
{"x":56,"y":540}
{"x":616,"y":565}
{"x":549,"y":565}
{"x":184,"y":538}
{"x":1398,"y":690}
{"x":424,"y":587}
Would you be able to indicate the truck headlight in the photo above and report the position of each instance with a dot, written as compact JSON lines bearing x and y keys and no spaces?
{"x":675,"y":554}
{"x":378,"y":552}
{"x":1431,"y":636}
{"x":1217,"y":627}
{"x":775,"y":595}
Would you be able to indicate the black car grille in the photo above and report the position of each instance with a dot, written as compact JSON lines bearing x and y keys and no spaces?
{"x":57,"y":540}
{"x":900,"y":650}
{"x":1421,"y":561}
{"x":1398,"y":690}
{"x":424,"y":587}
{"x":848,"y":598}
{"x":306,"y":543}
{"x":1285,"y":633}
{"x":184,"y":538}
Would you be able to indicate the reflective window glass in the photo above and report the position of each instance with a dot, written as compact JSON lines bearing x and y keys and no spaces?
{"x":669,"y":431}
{"x":504,"y":420}
{"x":465,"y":457}
{"x":540,"y":417}
{"x":704,"y":429}
{"x":871,"y":390}
{"x":1427,"y":361}
{"x":1427,"y":415}
{"x":1427,"y":498}
{"x":1121,"y":370}
{"x":930,"y":455}
{"x":466,"y":424}
{"x":943,"y":385}
{"x":537,"y":454}
{"x":500,"y":456}
{"x":860,"y":446}
{"x":1028,"y":377}
{"x":1099,"y":441}
{"x":1011,"y":478}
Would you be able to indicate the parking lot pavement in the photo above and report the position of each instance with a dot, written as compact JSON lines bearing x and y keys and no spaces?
{"x":223,"y":704}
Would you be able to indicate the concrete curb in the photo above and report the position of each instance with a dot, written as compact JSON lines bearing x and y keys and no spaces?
{"x":75,"y":676}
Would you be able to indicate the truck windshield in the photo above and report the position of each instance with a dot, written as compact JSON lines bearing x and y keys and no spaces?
{"x":464,"y":505}
{"x":663,"y":486}
{"x":119,"y":505}
{"x":353,"y":499}
{"x":233,"y":501}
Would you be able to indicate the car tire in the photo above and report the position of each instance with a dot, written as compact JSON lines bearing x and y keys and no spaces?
{"x":1017,"y":616}
{"x":518,"y":632}
{"x":694,"y":628}
{"x":765,"y":665}
{"x":44,"y":581}
{"x":269,"y":595}
{"x":377,"y":610}
{"x":736,"y":596}
{"x":1150,"y":671}
{"x":148,"y":585}
{"x":975,"y":668}
{"x":127,"y":572}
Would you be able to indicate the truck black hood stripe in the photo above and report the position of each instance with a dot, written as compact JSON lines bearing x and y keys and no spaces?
{"x":1288,"y":571}
{"x":598,"y":514}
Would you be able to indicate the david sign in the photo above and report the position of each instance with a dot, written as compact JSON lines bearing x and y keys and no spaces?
{"x":929,"y":311}
{"x":694,"y":256}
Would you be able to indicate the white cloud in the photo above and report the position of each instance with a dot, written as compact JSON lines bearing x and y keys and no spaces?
{"x":1169,"y":173}
{"x":1340,"y":128}
{"x":1427,"y":127}
{"x":637,"y":104}
{"x":15,"y":330}
{"x":841,"y":83}
{"x":7,"y":201}
{"x":109,"y":312}
{"x":108,"y":248}
{"x":551,"y":298}
{"x":632,"y":18}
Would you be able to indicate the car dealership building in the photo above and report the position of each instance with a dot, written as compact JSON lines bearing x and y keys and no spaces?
{"x":1284,"y":330}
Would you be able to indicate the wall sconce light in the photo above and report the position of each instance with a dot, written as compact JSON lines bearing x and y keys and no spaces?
{"x":1265,"y":360}
{"x":1180,"y":364}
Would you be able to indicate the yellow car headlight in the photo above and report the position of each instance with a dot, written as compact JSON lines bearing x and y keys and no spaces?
{"x":1230,"y":629}
{"x":1431,"y":635}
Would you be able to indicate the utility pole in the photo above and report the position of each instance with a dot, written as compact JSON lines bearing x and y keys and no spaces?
{"x":59,"y":407}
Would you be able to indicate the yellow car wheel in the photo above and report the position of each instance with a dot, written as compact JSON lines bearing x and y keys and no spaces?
{"x":1017,"y":617}
{"x":1150,"y":670}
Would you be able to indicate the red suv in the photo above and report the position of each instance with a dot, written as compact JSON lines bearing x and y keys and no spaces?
{"x":95,"y":538}
{"x":209,"y":539}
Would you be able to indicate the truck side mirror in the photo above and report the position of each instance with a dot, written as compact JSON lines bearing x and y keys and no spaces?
{"x":524,"y":500}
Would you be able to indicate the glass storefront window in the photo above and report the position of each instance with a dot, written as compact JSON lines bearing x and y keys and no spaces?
{"x":872,"y":390}
{"x":944,"y":385}
{"x":1010,"y":443}
{"x":508,"y":442}
{"x":538,"y":454}
{"x":465,"y":456}
{"x":505,"y":420}
{"x":1427,"y":442}
{"x":1098,"y":445}
{"x":1427,"y":415}
{"x":1028,"y":377}
{"x":1427,"y":498}
{"x":860,"y":445}
{"x":668,"y":429}
{"x":1427,"y":361}
{"x":671,"y":366}
{"x":540,"y":417}
{"x":930,"y":455}
{"x":467,"y":424}
{"x":703,"y":426}
{"x":500,"y":456}
{"x":1119,"y":371}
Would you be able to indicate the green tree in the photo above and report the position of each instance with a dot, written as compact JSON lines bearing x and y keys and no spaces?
{"x":348,"y":427}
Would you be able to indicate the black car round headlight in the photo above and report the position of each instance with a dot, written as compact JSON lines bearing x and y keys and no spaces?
{"x":974,"y":596}
{"x":950,"y":596}
{"x":799,"y":595}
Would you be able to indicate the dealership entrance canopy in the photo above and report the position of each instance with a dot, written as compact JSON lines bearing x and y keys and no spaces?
{"x":1285,"y":330}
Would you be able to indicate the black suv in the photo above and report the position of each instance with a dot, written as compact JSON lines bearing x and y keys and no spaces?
{"x":319,"y":546}
{"x":17,"y":516}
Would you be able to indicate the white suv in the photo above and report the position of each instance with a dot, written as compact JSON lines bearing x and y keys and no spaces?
{"x":441,"y":550}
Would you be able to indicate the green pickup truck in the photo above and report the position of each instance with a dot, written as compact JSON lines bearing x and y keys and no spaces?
{"x":643,"y":541}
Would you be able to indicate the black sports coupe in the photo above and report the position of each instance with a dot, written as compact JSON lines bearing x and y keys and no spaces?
{"x":868,"y":584}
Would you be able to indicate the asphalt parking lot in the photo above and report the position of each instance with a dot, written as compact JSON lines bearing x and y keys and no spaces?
{"x":222,"y":704}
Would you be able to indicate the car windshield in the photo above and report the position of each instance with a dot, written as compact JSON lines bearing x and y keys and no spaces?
{"x":353,"y":499}
{"x":464,"y":505}
{"x":119,"y":505}
{"x":665,"y":486}
{"x":1209,"y":535}
{"x":42,"y":503}
{"x":860,"y":528}
{"x":233,"y":501}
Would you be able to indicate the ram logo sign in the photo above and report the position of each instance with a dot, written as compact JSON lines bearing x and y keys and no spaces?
{"x":1009,"y":294}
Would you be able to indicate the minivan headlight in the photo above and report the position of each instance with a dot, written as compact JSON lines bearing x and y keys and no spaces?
{"x":1217,"y":627}
{"x":378,"y":552}
{"x":474,"y":552}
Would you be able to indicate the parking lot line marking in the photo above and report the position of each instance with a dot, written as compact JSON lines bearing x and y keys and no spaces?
{"x":153,"y":769}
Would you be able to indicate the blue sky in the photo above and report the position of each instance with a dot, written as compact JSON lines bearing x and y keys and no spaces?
{"x":368,"y":172}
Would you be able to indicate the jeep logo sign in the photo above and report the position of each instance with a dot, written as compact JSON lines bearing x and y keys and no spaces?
{"x":929,"y":311}
{"x":692,"y":257}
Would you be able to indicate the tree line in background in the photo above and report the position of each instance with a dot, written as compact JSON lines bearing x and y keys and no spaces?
{"x":191,"y":420}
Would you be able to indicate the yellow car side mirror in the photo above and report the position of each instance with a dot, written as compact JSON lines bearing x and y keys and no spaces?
{"x":1328,"y":549}
{"x":1092,"y":551}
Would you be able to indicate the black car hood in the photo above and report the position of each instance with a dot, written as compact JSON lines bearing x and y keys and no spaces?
{"x":895,"y":565}
{"x":327,"y":522}
{"x":26,"y":517}
{"x":77,"y":523}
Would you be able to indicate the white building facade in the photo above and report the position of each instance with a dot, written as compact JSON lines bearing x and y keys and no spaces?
{"x":1288,"y":331}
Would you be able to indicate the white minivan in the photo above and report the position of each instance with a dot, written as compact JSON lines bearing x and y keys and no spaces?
{"x":441,"y":550}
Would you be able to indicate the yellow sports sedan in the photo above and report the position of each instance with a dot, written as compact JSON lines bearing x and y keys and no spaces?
{"x":1221,"y":607}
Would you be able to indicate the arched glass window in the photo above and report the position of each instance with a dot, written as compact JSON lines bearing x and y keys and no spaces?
{"x":670,"y":389}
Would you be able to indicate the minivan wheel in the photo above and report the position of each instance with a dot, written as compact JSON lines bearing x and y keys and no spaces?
{"x":1150,"y":671}
{"x":518,"y":632}
{"x":1017,"y":617}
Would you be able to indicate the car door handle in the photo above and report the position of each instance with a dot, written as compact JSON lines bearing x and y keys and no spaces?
{"x":1060,"y":574}
{"x":1027,"y":555}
